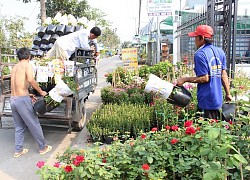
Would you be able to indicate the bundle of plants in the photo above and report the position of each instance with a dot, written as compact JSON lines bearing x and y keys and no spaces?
{"x":53,"y":98}
{"x":191,"y":150}
{"x":126,"y":94}
{"x":113,"y":120}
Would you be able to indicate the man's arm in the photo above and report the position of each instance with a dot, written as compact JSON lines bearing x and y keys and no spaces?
{"x":225,"y":83}
{"x":200,"y":79}
{"x":32,"y":82}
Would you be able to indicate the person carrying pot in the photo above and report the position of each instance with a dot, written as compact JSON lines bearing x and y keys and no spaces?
{"x":65,"y":46}
{"x":21,"y":103}
{"x":211,"y":75}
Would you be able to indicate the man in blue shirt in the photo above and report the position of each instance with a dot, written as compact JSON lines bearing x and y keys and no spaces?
{"x":211,"y":75}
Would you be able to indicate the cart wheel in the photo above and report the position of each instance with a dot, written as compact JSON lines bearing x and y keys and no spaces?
{"x":81,"y":114}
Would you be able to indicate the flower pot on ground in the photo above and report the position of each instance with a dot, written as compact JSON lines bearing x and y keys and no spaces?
{"x":108,"y":139}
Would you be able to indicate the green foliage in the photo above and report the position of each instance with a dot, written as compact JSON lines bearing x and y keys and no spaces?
{"x":208,"y":153}
{"x":14,"y":27}
{"x":109,"y":38}
{"x":125,"y":118}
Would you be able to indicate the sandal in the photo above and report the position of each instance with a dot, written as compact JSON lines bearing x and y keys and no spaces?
{"x":18,"y":154}
{"x":46,"y":150}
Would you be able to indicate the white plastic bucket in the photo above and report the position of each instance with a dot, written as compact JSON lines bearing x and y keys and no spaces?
{"x":158,"y":85}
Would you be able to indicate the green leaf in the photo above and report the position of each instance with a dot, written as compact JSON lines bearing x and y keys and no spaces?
{"x":204,"y":152}
{"x":212,"y":155}
{"x":208,"y":176}
{"x":247,"y":168}
{"x":240,"y":158}
{"x":215,"y":165}
{"x":213,"y":133}
{"x":150,"y":159}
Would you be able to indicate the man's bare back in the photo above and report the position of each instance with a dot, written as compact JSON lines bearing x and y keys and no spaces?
{"x":19,"y":81}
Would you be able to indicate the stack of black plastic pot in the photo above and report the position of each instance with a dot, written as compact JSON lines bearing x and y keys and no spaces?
{"x":47,"y":35}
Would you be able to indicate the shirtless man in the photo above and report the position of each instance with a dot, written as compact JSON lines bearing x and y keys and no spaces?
{"x":22,"y":106}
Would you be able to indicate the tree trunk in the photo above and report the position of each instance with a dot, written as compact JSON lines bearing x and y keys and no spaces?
{"x":43,"y":11}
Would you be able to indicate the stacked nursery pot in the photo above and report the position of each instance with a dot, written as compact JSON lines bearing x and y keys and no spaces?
{"x":47,"y":35}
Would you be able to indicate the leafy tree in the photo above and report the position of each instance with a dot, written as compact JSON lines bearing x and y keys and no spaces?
{"x":126,"y":44}
{"x":12,"y":32}
{"x":76,"y":8}
{"x":109,"y":38}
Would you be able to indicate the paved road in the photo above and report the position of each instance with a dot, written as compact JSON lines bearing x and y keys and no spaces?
{"x":24,"y":167}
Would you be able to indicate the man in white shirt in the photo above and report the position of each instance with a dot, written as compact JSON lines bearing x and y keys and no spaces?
{"x":65,"y":46}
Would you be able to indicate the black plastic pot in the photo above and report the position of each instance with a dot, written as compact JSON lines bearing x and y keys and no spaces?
{"x":69,"y":29}
{"x":60,"y":29}
{"x":37,"y":41}
{"x":78,"y":28}
{"x":43,"y":47}
{"x":39,"y":53}
{"x":41,"y":107}
{"x":51,"y":29}
{"x":35,"y":47}
{"x":108,"y":140}
{"x":180,"y":96}
{"x":228,"y":111}
{"x":41,"y":31}
{"x":46,"y":39}
{"x":53,"y":38}
{"x":49,"y":46}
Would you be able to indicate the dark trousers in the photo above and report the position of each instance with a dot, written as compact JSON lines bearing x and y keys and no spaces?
{"x":209,"y":114}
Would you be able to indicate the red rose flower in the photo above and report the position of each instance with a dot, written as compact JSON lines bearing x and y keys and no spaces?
{"x":174,"y":141}
{"x":145,"y":167}
{"x":154,"y":129}
{"x":230,"y":122}
{"x":151,"y":103}
{"x":68,"y":168}
{"x":57,"y":165}
{"x":190,"y":130}
{"x":76,"y":163}
{"x":80,"y":158}
{"x":168,"y":127}
{"x":40,"y":164}
{"x":214,"y":121}
{"x":104,"y":160}
{"x":174,"y":128}
{"x":143,"y":136}
{"x":188,"y":123}
{"x":197,"y":129}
